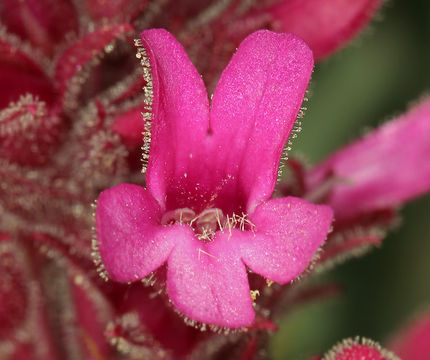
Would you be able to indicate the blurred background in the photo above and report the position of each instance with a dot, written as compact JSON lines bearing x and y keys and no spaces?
{"x":369,"y":82}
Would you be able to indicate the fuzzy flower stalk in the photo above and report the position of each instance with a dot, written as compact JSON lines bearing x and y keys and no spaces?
{"x":71,"y":130}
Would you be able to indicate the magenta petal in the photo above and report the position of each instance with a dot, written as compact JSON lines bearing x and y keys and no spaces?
{"x":131,"y":242}
{"x":180,"y":112}
{"x":208,"y":281}
{"x":325,"y":25}
{"x":254,"y":108}
{"x":385,"y":168}
{"x":288,"y":232}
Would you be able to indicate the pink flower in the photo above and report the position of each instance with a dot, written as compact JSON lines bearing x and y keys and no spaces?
{"x":207,"y":211}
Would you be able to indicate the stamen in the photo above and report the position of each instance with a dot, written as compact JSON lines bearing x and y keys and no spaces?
{"x":206,"y":253}
{"x":208,"y":222}
{"x":254,"y":294}
{"x":184,"y":215}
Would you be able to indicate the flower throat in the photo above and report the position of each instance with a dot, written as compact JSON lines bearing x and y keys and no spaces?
{"x":208,"y":222}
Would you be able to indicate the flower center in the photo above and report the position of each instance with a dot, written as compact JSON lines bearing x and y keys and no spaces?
{"x":207,"y":223}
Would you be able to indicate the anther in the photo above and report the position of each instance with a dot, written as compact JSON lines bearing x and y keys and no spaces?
{"x":181,"y":216}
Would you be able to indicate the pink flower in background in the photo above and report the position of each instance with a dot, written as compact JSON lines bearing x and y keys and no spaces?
{"x":210,"y":175}
{"x":325,"y":25}
{"x":383,"y":170}
{"x":413,"y":341}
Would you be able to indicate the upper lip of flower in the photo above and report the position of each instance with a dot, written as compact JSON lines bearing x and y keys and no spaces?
{"x":215,"y":170}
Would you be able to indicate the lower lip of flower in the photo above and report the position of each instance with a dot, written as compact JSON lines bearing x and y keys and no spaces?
{"x":206,"y":224}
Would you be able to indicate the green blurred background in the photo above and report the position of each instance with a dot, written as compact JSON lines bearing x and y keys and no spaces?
{"x":363,"y":85}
